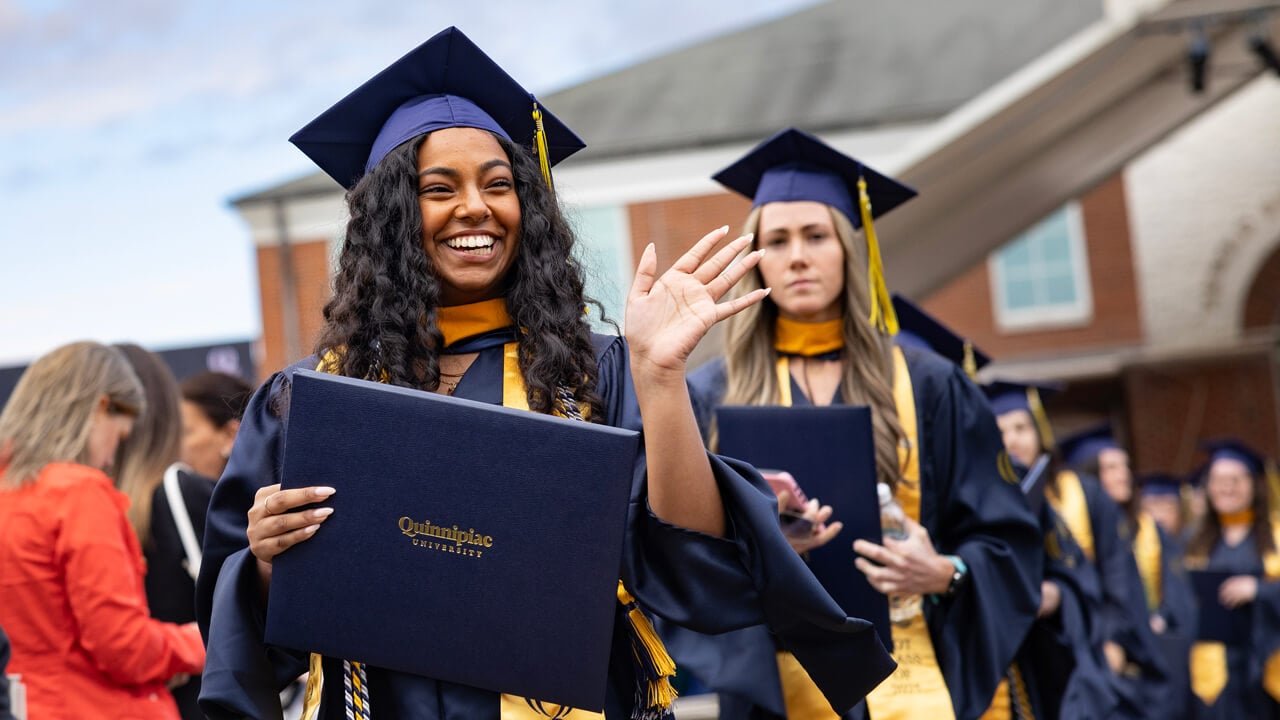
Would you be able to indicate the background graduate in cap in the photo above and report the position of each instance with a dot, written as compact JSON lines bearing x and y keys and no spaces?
{"x":1161,"y":495}
{"x":457,"y":275}
{"x":1158,"y":555}
{"x":1239,"y":679}
{"x":1138,"y":665}
{"x":823,"y":336}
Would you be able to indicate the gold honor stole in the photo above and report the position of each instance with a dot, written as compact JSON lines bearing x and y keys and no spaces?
{"x":916,"y":689}
{"x":1146,"y":550}
{"x":1070,"y":503}
{"x":1209,"y":659}
{"x":515,"y":395}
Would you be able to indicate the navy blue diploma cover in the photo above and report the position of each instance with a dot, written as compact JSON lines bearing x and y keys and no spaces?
{"x":830,"y":453}
{"x":469,"y":543}
{"x":1219,"y":623}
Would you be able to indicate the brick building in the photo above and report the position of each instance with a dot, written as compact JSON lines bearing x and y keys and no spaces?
{"x":1083,"y":216}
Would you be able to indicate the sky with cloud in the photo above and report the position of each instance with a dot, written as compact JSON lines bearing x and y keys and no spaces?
{"x":126,"y":127}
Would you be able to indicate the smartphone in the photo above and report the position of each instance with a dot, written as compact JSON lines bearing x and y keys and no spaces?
{"x":780,"y":480}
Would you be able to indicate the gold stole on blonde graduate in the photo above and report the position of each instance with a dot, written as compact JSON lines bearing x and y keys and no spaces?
{"x":1209,"y":659}
{"x":1147,"y":553}
{"x":916,"y":689}
{"x":514,"y":395}
{"x":1070,"y":503}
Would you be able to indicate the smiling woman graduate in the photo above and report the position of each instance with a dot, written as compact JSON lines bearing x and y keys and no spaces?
{"x":825,"y":336}
{"x":457,"y":275}
{"x":1238,"y":677}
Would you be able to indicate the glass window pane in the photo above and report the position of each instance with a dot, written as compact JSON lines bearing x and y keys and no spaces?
{"x":602,"y":249}
{"x":1016,"y":257}
{"x":1060,"y":290}
{"x":1019,"y":294}
{"x":1056,"y":248}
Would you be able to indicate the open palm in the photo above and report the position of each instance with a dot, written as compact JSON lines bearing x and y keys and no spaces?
{"x":666,"y":316}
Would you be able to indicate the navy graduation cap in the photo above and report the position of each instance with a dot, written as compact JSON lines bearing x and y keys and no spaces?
{"x":1233,"y":449}
{"x":796,"y":166}
{"x":445,"y":82}
{"x":1006,"y":396}
{"x":1160,"y":483}
{"x":1085,"y":445}
{"x":919,"y":329}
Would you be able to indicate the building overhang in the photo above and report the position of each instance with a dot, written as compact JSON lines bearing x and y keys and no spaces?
{"x":1057,"y":128}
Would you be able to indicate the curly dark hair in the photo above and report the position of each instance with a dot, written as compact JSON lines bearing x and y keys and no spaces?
{"x":381,"y":319}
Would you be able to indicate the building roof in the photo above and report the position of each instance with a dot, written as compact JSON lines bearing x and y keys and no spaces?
{"x":835,"y":66}
{"x":838,"y":65}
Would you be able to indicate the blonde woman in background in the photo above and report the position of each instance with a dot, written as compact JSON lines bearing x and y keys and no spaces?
{"x":824,"y":336}
{"x":71,"y":570}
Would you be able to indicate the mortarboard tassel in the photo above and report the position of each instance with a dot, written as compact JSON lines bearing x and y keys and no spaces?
{"x":1273,"y":489}
{"x":883,"y":315}
{"x":970,"y":362}
{"x":654,"y":667}
{"x":540,"y":145}
{"x":315,"y":688}
{"x":1041,"y":418}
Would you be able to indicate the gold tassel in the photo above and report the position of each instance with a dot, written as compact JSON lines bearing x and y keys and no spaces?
{"x":970,"y":362}
{"x":1273,"y":490}
{"x":652,"y":660}
{"x":883,"y":315}
{"x":540,"y":145}
{"x":1041,"y":417}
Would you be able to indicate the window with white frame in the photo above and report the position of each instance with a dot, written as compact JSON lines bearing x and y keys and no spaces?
{"x":1041,"y":278}
{"x":604,"y":249}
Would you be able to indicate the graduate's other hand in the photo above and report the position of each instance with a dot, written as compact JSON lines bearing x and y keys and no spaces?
{"x":1238,"y":590}
{"x":808,"y":529}
{"x":907,"y":567}
{"x":1116,"y":659}
{"x":1158,"y":624}
{"x":1050,"y":599}
{"x":667,"y":315}
{"x":273,"y":528}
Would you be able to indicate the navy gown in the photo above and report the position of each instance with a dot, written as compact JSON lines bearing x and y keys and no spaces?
{"x":685,"y":577}
{"x":1243,"y":698}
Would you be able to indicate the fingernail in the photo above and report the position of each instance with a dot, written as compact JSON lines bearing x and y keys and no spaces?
{"x":311,"y":528}
{"x":767,"y":291}
{"x":724,"y":228}
{"x":748,"y":237}
{"x":323,"y":491}
{"x":321,"y":513}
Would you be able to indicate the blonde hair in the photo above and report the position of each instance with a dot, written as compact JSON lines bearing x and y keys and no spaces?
{"x":156,"y":440}
{"x":49,"y":416}
{"x":751,"y":361}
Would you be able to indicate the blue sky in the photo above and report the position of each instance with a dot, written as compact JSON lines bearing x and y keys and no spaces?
{"x":126,"y":126}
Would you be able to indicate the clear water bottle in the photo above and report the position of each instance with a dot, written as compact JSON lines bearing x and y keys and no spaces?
{"x":902,"y":608}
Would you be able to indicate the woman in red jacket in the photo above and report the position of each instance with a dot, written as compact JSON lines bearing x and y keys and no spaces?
{"x":71,"y":592}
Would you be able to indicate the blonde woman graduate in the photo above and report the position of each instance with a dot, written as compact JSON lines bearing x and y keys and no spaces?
{"x":823,"y":336}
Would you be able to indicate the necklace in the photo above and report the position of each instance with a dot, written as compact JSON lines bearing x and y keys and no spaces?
{"x":450,"y":385}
